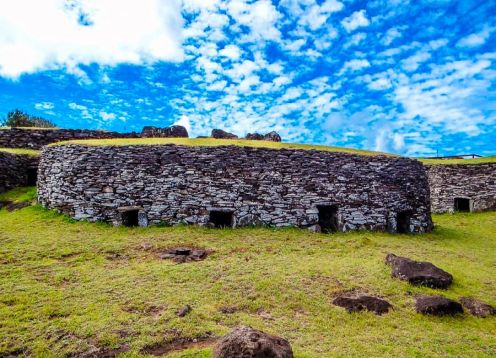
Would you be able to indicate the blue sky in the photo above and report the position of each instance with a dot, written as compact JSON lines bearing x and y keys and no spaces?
{"x":410,"y":77}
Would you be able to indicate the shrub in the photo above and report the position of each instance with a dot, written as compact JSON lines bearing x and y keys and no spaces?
{"x":18,"y":118}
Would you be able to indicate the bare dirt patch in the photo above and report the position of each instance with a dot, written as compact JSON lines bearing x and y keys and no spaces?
{"x":179,"y":344}
{"x":183,"y":254}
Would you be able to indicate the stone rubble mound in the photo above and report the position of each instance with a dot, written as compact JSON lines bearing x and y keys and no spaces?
{"x":220,"y":134}
{"x":174,"y":131}
{"x":418,"y":273}
{"x":362,"y":303}
{"x":246,"y":342}
{"x":437,"y":305}
{"x":477,"y":308}
{"x":271,"y":136}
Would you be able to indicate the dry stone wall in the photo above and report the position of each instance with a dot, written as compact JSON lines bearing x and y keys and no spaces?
{"x":474,"y":182}
{"x":251,"y":186}
{"x":37,"y":138}
{"x":17,"y":170}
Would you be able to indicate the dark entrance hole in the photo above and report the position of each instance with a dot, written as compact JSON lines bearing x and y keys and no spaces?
{"x":328,"y":218}
{"x":403,"y":222}
{"x":130,"y":218}
{"x":462,"y":204}
{"x":221,"y":219}
{"x":32,"y":176}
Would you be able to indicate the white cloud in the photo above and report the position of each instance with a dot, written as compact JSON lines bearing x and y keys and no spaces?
{"x":413,"y":62}
{"x":355,"y":65}
{"x":231,"y":51}
{"x":106,"y":116}
{"x":50,"y":34}
{"x":476,"y":39}
{"x":355,"y":20}
{"x":44,"y":106}
{"x":185,"y":122}
{"x":260,"y":16}
{"x":391,"y":35}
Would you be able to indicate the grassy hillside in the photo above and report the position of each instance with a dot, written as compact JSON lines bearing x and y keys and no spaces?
{"x":460,"y":161}
{"x":212,"y":142}
{"x":69,"y":288}
{"x":21,"y":151}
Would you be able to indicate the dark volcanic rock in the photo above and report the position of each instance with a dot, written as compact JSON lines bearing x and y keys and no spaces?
{"x":271,"y":136}
{"x":184,"y":311}
{"x":245,"y":342}
{"x":477,"y":308}
{"x":418,"y":273}
{"x":168,"y":132}
{"x":437,"y":305}
{"x":220,"y":134}
{"x":361,"y":303}
{"x":183,"y":254}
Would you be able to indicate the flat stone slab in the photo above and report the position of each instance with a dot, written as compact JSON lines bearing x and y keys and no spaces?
{"x":183,"y":254}
{"x":246,"y":342}
{"x":362,"y":303}
{"x":418,"y":273}
{"x":477,"y":308}
{"x":437,"y":305}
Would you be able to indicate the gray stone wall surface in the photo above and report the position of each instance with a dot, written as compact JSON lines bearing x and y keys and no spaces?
{"x":14,"y":170}
{"x":183,"y":184}
{"x":37,"y":138}
{"x":476,"y":182}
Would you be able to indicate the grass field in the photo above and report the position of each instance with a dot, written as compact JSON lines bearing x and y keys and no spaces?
{"x":21,"y":151}
{"x":212,"y":142}
{"x":482,"y":160}
{"x":69,"y":288}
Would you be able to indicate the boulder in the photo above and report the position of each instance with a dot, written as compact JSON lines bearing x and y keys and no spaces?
{"x":220,"y":134}
{"x":437,"y":305}
{"x":168,"y":132}
{"x":245,"y":342}
{"x":272,"y":136}
{"x":418,"y":273}
{"x":361,"y":303}
{"x":477,"y":308}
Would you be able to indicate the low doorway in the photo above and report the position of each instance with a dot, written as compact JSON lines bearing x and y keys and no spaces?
{"x":403,"y":222}
{"x":130,"y":218}
{"x":462,"y":204}
{"x":221,"y":218}
{"x":328,"y":218}
{"x":32,"y":176}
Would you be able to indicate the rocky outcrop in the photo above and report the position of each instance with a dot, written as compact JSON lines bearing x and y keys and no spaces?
{"x":363,"y":303}
{"x":465,"y":187}
{"x":245,"y":342}
{"x":271,"y":136}
{"x":235,"y":186}
{"x":220,"y":134}
{"x":477,"y":308}
{"x":418,"y":273}
{"x":37,"y":138}
{"x":168,"y":132}
{"x":437,"y":306}
{"x":17,"y":170}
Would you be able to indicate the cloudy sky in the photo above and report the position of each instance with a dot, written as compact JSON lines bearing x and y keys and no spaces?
{"x":410,"y":77}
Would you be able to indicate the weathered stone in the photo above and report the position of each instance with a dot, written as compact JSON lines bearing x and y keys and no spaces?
{"x":37,"y":138}
{"x":183,"y":254}
{"x":257,"y":186}
{"x":271,"y":136}
{"x":245,"y":342}
{"x":472,"y":182}
{"x":14,"y":170}
{"x":184,"y":311}
{"x":220,"y":134}
{"x":477,"y":308}
{"x":361,"y":303}
{"x":437,"y":305}
{"x":174,"y":131}
{"x":418,"y":273}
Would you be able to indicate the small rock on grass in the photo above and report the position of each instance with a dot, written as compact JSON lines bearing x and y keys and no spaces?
{"x":362,"y":303}
{"x":184,"y":311}
{"x":477,"y":308}
{"x":437,"y":306}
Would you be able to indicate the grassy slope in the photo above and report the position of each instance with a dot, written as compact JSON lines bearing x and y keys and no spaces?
{"x":64,"y":289}
{"x":21,"y":151}
{"x":460,"y":161}
{"x":211,"y":142}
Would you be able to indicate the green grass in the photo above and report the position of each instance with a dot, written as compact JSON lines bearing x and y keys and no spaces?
{"x":67,"y":287}
{"x":21,"y":151}
{"x":20,"y":194}
{"x":211,"y":142}
{"x":460,"y":161}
